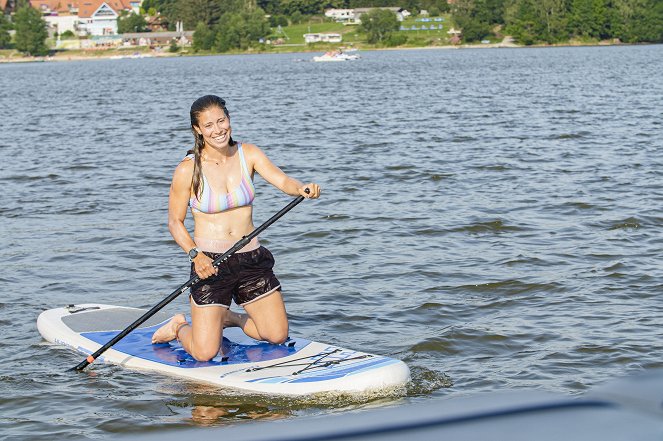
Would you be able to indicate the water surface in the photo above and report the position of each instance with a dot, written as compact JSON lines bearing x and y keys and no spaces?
{"x":491,"y":217}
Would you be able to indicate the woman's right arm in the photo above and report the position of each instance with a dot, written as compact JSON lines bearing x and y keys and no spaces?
{"x":178,"y":204}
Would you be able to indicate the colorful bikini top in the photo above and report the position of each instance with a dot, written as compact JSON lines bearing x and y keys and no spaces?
{"x":243,"y":195}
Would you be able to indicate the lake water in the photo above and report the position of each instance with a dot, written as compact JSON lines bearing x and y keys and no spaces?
{"x":492,"y":217}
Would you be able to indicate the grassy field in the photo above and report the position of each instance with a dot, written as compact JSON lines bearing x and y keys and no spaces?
{"x":294,"y":34}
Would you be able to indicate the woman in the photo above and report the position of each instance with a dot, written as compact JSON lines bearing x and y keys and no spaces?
{"x":216,"y":181}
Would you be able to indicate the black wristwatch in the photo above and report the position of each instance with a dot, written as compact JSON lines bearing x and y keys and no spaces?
{"x":193,"y":252}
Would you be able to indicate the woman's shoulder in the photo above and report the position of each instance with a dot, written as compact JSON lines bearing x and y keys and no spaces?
{"x":253,"y":155}
{"x":185,"y":166}
{"x":247,"y":146}
{"x":187,"y":161}
{"x":250,"y":150}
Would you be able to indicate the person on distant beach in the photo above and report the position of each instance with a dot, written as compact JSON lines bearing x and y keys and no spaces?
{"x":215,"y":180}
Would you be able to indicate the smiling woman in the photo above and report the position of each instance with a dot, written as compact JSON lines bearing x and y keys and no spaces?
{"x":216,"y":181}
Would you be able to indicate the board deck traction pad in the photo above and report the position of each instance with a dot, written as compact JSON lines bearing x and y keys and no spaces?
{"x":257,"y":361}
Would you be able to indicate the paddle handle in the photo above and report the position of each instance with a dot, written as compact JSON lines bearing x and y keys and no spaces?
{"x":195,"y":279}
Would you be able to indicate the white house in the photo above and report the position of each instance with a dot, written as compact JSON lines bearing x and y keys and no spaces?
{"x":401,"y":14}
{"x":84,"y":17}
{"x":324,"y":38}
{"x":63,"y":23}
{"x":341,"y":15}
{"x":103,"y":21}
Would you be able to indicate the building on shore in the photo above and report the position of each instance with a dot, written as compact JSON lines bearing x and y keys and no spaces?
{"x":353,"y":16}
{"x":164,"y":38}
{"x":84,"y":17}
{"x":323,"y":38}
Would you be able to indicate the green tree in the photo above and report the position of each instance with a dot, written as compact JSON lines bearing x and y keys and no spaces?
{"x":150,"y":4}
{"x":657,"y":12}
{"x":379,"y":24}
{"x":230,"y":33}
{"x":553,"y":15}
{"x":531,"y":21}
{"x":472,"y":17}
{"x":296,"y":17}
{"x":584,"y":21}
{"x":492,"y":11}
{"x":192,"y":12}
{"x":241,"y":31}
{"x":203,"y":38}
{"x":636,"y":21}
{"x":372,"y":4}
{"x":272,"y":7}
{"x":130,"y":23}
{"x":306,"y":7}
{"x":31,"y":31}
{"x":522,"y":22}
{"x":256,"y":25}
{"x":278,"y":20}
{"x":5,"y":26}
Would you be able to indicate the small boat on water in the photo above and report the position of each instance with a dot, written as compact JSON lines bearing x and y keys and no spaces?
{"x":336,"y":56}
{"x":134,"y":55}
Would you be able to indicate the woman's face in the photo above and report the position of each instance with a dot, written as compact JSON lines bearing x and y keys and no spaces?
{"x":214,"y":125}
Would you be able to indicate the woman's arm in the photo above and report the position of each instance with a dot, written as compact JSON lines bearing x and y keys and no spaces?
{"x":178,"y":203}
{"x":275,"y":176}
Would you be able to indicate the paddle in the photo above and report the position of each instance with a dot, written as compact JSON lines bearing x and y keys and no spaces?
{"x":238,"y":246}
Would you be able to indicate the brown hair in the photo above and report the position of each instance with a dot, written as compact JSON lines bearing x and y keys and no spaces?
{"x":200,"y":105}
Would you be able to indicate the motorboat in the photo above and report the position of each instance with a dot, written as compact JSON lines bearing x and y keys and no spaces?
{"x":336,"y":56}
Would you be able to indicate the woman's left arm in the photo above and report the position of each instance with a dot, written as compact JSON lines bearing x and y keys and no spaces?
{"x":275,"y":176}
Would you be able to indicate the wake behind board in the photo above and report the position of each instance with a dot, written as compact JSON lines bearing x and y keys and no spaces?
{"x":297,"y":367}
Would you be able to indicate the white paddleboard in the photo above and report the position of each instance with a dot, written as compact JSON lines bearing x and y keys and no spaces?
{"x":297,"y":367}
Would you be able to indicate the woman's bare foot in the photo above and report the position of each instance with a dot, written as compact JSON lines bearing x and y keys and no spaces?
{"x":234,"y":319}
{"x":168,"y":332}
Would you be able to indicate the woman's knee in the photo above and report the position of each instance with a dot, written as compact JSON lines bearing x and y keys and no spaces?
{"x":275,"y":336}
{"x":204,"y":354}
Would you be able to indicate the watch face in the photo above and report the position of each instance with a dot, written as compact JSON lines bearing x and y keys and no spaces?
{"x":193,"y":253}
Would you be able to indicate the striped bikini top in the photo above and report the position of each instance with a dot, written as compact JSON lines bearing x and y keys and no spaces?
{"x":243,"y":195}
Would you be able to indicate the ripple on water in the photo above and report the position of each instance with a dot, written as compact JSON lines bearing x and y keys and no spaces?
{"x":496,"y":226}
{"x":625,"y":224}
{"x":487,"y":245}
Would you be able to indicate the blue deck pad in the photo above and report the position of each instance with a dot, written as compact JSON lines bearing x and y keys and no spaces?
{"x":237,"y":346}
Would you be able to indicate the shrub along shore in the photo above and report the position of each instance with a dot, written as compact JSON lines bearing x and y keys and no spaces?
{"x":13,"y":56}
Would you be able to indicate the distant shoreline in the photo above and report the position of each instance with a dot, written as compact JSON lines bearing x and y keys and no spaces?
{"x":105,"y":54}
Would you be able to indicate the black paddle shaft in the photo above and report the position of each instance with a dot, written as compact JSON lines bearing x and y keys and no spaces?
{"x":238,"y":246}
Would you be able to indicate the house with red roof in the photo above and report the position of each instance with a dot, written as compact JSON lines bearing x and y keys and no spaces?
{"x":84,"y":17}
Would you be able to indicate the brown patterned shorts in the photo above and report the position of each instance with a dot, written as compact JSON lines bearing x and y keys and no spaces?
{"x":244,"y":277}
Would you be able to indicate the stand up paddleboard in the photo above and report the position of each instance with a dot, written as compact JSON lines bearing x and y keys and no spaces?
{"x":297,"y":367}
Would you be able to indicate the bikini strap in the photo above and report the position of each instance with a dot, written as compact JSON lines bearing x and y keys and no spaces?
{"x":245,"y":169}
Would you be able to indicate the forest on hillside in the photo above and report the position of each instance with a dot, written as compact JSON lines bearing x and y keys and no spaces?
{"x":528,"y":21}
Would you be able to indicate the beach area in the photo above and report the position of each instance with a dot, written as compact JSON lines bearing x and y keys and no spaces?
{"x":12,"y":56}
